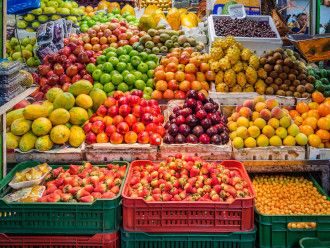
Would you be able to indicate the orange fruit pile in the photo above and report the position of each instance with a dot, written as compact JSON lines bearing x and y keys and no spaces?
{"x":313,"y":120}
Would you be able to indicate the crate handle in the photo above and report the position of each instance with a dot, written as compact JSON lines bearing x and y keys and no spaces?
{"x":303,"y":225}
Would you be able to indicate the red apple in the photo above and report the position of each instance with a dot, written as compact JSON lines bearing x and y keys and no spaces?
{"x":116,"y":138}
{"x":98,"y":127}
{"x":122,"y":127}
{"x":124,"y":110}
{"x":87,"y":127}
{"x":58,"y":69}
{"x":72,"y":70}
{"x":138,"y":127}
{"x":109,"y":130}
{"x":130,"y":119}
{"x":102,"y":110}
{"x":90,"y":138}
{"x":143,"y":137}
{"x":113,"y":111}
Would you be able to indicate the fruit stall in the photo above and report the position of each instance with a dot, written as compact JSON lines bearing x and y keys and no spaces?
{"x":157,"y":124}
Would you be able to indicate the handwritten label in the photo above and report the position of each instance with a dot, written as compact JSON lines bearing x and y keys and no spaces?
{"x":237,"y":11}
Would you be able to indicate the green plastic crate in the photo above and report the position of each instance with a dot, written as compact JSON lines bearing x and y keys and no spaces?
{"x":103,"y":215}
{"x":313,"y":243}
{"x":188,"y":240}
{"x":274,"y":233}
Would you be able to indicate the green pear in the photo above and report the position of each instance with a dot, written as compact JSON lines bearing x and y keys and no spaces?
{"x":37,"y":11}
{"x":29,"y":17}
{"x":22,"y":24}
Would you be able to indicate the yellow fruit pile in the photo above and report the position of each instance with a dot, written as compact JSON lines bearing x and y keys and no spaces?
{"x":289,"y":195}
{"x":262,"y":123}
{"x":236,"y":67}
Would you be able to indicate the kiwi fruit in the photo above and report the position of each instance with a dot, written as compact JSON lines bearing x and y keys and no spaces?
{"x":268,"y":67}
{"x":289,"y":93}
{"x":292,"y":77}
{"x":292,"y":88}
{"x":309,"y":87}
{"x":288,"y":62}
{"x":278,"y":68}
{"x":286,"y":69}
{"x":275,"y":87}
{"x":287,"y":82}
{"x":297,"y":94}
{"x":269,"y":80}
{"x":269,"y":91}
{"x":305,"y":95}
{"x":283,"y":76}
{"x":311,"y":79}
{"x":277,"y":56}
{"x":278,"y":81}
{"x":273,"y":74}
{"x":296,"y":82}
{"x":279,"y":62}
{"x":280,"y":92}
{"x":284,"y":87}
{"x":263,"y":61}
{"x":301,"y":77}
{"x":300,"y":88}
{"x":271,"y":60}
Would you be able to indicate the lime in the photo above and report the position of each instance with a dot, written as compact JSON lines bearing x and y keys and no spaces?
{"x":147,"y":90}
{"x":123,"y":87}
{"x":113,"y":60}
{"x":153,"y":57}
{"x":121,"y":51}
{"x":133,"y":53}
{"x":90,"y":67}
{"x":110,"y":55}
{"x":140,"y":85}
{"x":114,"y":72}
{"x":144,"y":56}
{"x":150,"y":73}
{"x":98,"y":86}
{"x":108,"y":87}
{"x":101,"y":59}
{"x":125,"y":73}
{"x":144,"y":77}
{"x":117,"y":79}
{"x":105,"y":78}
{"x":113,"y":49}
{"x":137,"y":74}
{"x":105,"y":51}
{"x":130,"y":79}
{"x":100,"y":66}
{"x":130,"y":67}
{"x":124,"y":58}
{"x":135,"y":61}
{"x":107,"y":67}
{"x":150,"y":83}
{"x":97,"y":74}
{"x":142,"y":67}
{"x":128,"y":48}
{"x":121,"y":66}
{"x":84,"y":28}
{"x":151,"y":65}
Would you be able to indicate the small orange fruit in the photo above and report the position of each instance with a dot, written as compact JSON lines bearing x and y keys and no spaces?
{"x":314,"y":140}
{"x":324,"y":123}
{"x":302,"y":107}
{"x":294,"y":113}
{"x":313,"y":105}
{"x":161,"y":85}
{"x":318,"y":97}
{"x":307,"y":130}
{"x":324,"y":109}
{"x":310,"y":121}
{"x":313,"y":113}
{"x":298,"y":120}
{"x":323,"y":134}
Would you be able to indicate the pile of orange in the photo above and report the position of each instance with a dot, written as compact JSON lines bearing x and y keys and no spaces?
{"x":313,"y":120}
{"x":289,"y":195}
{"x":180,"y":71}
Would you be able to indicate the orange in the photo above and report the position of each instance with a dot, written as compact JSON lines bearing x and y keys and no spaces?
{"x":307,"y":130}
{"x":298,"y":120}
{"x":196,"y":85}
{"x":161,"y":85}
{"x":323,"y":134}
{"x":302,"y":107}
{"x":160,"y":75}
{"x":324,"y":123}
{"x":310,"y":121}
{"x":184,"y":85}
{"x":168,"y":94}
{"x":293,"y":113}
{"x":304,"y":115}
{"x":313,"y":113}
{"x":313,"y":105}
{"x":318,"y":97}
{"x":314,"y":140}
{"x":205,"y":85}
{"x":156,"y":94}
{"x":324,"y":109}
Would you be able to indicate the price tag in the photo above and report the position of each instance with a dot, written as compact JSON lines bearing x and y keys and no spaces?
{"x":237,"y":11}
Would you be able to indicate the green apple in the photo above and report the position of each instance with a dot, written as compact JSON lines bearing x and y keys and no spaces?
{"x":33,"y":41}
{"x":67,"y":5}
{"x":42,"y":5}
{"x":22,"y":24}
{"x":55,"y":17}
{"x":72,"y":18}
{"x":29,"y":17}
{"x":74,"y":5}
{"x":25,"y":41}
{"x":26,"y":54}
{"x":42,"y":18}
{"x":16,"y":56}
{"x":30,"y":62}
{"x":13,"y":42}
{"x":35,"y":24}
{"x":37,"y":11}
{"x":29,"y":47}
{"x":52,"y":4}
{"x":64,"y":11}
{"x":18,"y":48}
{"x":50,"y":10}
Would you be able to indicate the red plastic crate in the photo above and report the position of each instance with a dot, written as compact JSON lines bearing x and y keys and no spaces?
{"x":108,"y":240}
{"x":186,"y":216}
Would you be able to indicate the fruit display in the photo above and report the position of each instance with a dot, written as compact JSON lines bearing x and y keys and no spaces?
{"x":126,"y":118}
{"x":22,"y":50}
{"x":162,"y":4}
{"x":263,"y":123}
{"x":285,"y":74}
{"x":50,"y":11}
{"x":183,"y":178}
{"x":286,"y":195}
{"x":83,"y":183}
{"x":226,"y":26}
{"x":56,"y":121}
{"x":313,"y":119}
{"x":124,"y":69}
{"x":180,"y":71}
{"x":197,"y":121}
{"x":321,"y":80}
{"x":162,"y":41}
{"x":66,"y":67}
{"x":237,"y":68}
{"x":101,"y":17}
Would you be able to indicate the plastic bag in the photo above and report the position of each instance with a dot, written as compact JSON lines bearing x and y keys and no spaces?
{"x":30,"y":194}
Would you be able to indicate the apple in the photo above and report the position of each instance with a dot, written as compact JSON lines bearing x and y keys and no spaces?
{"x":98,"y":127}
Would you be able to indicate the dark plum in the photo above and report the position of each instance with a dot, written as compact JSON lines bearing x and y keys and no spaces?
{"x":201,"y":114}
{"x":192,"y":94}
{"x":173,"y":129}
{"x":216,"y":139}
{"x":211,"y":131}
{"x":185,"y":112}
{"x":176,"y":109}
{"x":224,"y":137}
{"x":191,"y":138}
{"x":179,"y":139}
{"x":224,"y":119}
{"x":180,"y":120}
{"x":198,"y":130}
{"x":191,"y":120}
{"x":168,"y":139}
{"x":208,"y":107}
{"x":215,"y":118}
{"x":172,"y":116}
{"x":190,"y":103}
{"x":167,"y":125}
{"x":204,"y":139}
{"x":206,"y":123}
{"x":184,"y":129}
{"x":220,"y":128}
{"x":201,"y":97}
{"x":215,"y":106}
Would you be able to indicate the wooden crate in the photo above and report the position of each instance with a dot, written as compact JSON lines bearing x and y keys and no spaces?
{"x":318,"y":153}
{"x":270,"y":153}
{"x":103,"y":152}
{"x":205,"y":151}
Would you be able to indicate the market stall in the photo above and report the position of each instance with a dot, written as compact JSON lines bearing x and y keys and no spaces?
{"x":163,"y":124}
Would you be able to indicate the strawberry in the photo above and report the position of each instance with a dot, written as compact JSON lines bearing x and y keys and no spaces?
{"x":108,"y":195}
{"x":65,"y":197}
{"x":87,"y":198}
{"x":96,"y":195}
{"x":94,"y":180}
{"x":101,"y":187}
{"x":50,"y":190}
{"x":81,"y":193}
{"x":74,"y":169}
{"x":74,"y":190}
{"x":176,"y":198}
{"x":54,"y":197}
{"x":166,"y":197}
{"x":56,"y":172}
{"x":89,"y":188}
{"x":67,"y":188}
{"x":157,"y":197}
{"x":194,"y":171}
{"x":68,"y":180}
{"x":58,"y":182}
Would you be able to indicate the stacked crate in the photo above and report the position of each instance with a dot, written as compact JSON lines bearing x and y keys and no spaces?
{"x":94,"y":224}
{"x":188,"y":224}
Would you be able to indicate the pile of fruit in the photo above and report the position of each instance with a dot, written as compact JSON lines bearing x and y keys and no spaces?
{"x":178,"y":18}
{"x":236,"y":67}
{"x":162,"y":4}
{"x":57,"y":120}
{"x":101,"y":17}
{"x":313,"y":120}
{"x":84,"y":183}
{"x":22,"y":50}
{"x":285,"y":74}
{"x":163,"y":41}
{"x":179,"y":72}
{"x":50,"y":10}
{"x":186,"y":179}
{"x":197,"y":121}
{"x":105,"y":6}
{"x":66,"y":67}
{"x":124,"y":69}
{"x":321,"y":80}
{"x":261,"y":122}
{"x":289,"y":195}
{"x":126,"y":118}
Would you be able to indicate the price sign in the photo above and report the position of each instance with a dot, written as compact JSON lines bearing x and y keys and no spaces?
{"x":237,"y":11}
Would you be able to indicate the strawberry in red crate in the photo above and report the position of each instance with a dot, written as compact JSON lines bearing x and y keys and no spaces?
{"x":84,"y":183}
{"x":182,"y":178}
{"x":126,"y":118}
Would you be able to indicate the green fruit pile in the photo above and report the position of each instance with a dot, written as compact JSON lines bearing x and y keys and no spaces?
{"x":162,"y":41}
{"x":101,"y":17}
{"x":22,"y":50}
{"x":321,"y":80}
{"x":50,"y":10}
{"x":57,"y":121}
{"x":124,"y":69}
